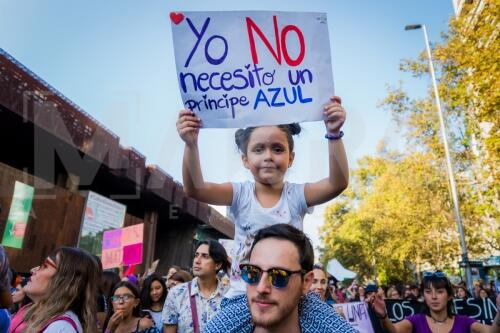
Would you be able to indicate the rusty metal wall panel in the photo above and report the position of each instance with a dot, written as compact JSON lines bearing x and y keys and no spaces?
{"x":204,"y":212}
{"x":220,"y":223}
{"x":174,"y":245}
{"x":54,"y":220}
{"x":191,"y":206}
{"x":159,"y":182}
{"x":178,"y":195}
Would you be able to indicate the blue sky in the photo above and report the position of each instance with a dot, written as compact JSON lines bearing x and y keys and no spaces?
{"x":115,"y":59}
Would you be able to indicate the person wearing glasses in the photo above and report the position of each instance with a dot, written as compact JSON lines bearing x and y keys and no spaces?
{"x":278,"y":274}
{"x":190,"y":305}
{"x":438,"y":313}
{"x":63,"y":290}
{"x":125,"y":315}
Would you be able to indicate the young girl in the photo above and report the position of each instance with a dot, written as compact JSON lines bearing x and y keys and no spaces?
{"x":153,"y":295}
{"x":267,"y":151}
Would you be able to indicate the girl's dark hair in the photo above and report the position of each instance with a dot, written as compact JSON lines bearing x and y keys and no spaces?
{"x":242,"y":136}
{"x":146,"y":302}
{"x":467,"y":293}
{"x":218,"y":253}
{"x":109,"y":279}
{"x":135,"y":291}
{"x":438,"y":283}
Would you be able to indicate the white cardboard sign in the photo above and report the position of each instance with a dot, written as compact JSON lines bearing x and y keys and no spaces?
{"x":253,"y":68}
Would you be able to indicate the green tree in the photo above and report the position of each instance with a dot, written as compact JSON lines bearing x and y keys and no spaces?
{"x":397,"y":214}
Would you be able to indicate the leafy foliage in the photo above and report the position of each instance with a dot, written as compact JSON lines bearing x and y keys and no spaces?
{"x":397,"y":215}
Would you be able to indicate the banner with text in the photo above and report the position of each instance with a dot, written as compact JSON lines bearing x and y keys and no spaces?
{"x":356,"y":314}
{"x":19,"y":213}
{"x":482,"y":310}
{"x":252,"y":68}
{"x":100,"y":214}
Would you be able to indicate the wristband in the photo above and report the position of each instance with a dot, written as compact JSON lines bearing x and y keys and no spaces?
{"x":333,"y":136}
{"x":107,"y":331}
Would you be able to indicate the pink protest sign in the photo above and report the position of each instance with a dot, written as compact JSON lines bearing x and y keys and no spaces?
{"x":111,"y":239}
{"x":132,"y":254}
{"x":133,"y":234}
{"x":111,"y":258}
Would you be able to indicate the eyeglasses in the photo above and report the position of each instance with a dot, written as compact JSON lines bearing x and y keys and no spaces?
{"x":123,"y":298}
{"x":46,"y":263}
{"x":279,"y":277}
{"x":437,"y":274}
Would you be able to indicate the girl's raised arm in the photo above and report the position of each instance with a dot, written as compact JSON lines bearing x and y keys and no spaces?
{"x":338,"y":178}
{"x":188,"y":127}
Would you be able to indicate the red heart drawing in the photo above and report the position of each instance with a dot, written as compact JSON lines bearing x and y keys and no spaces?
{"x":176,"y":17}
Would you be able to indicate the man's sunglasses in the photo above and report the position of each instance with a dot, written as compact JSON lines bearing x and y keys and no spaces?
{"x":278,"y":277}
{"x":437,"y":274}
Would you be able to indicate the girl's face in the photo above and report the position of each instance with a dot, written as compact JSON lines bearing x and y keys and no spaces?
{"x":124,"y":301}
{"x":156,"y":291}
{"x":461,"y":293}
{"x":319,"y":283}
{"x":483,"y":293}
{"x":394,"y":294}
{"x":436,"y":298}
{"x":40,"y":279}
{"x":361,"y":291}
{"x":268,"y":156}
{"x":18,"y":295}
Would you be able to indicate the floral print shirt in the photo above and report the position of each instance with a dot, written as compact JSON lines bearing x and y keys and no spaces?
{"x":177,"y":307}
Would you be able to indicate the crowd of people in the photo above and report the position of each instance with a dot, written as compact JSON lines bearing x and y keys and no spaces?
{"x":269,"y":283}
{"x":334,"y":292}
{"x":286,"y":292}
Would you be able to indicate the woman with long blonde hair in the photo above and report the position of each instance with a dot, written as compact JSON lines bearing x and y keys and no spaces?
{"x":63,"y":289}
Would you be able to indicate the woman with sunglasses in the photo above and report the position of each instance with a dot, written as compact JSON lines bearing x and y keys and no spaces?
{"x":438,"y":313}
{"x":125,"y":315}
{"x":63,"y":290}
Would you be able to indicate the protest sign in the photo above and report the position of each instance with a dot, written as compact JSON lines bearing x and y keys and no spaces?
{"x":252,"y":68}
{"x":482,"y":310}
{"x":123,"y":246}
{"x":100,"y":214}
{"x":19,"y":213}
{"x":132,"y":234}
{"x":356,"y":314}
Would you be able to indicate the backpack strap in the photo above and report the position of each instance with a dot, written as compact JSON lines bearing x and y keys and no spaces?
{"x":60,"y":318}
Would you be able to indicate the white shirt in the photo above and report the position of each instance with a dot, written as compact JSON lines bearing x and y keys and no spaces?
{"x":249,"y":216}
{"x":62,"y":326}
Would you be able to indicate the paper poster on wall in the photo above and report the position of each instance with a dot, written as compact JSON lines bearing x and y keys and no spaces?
{"x":19,"y":212}
{"x":251,"y":68}
{"x":100,"y":214}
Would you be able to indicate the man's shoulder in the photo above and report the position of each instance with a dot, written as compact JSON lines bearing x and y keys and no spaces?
{"x":179,"y":290}
{"x":233,"y":317}
{"x":318,"y":316}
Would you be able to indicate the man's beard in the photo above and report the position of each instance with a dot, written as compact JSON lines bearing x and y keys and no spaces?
{"x":283,"y":310}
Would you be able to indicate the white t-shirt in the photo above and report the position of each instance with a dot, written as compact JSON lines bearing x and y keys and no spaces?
{"x":62,"y":326}
{"x":249,"y":216}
